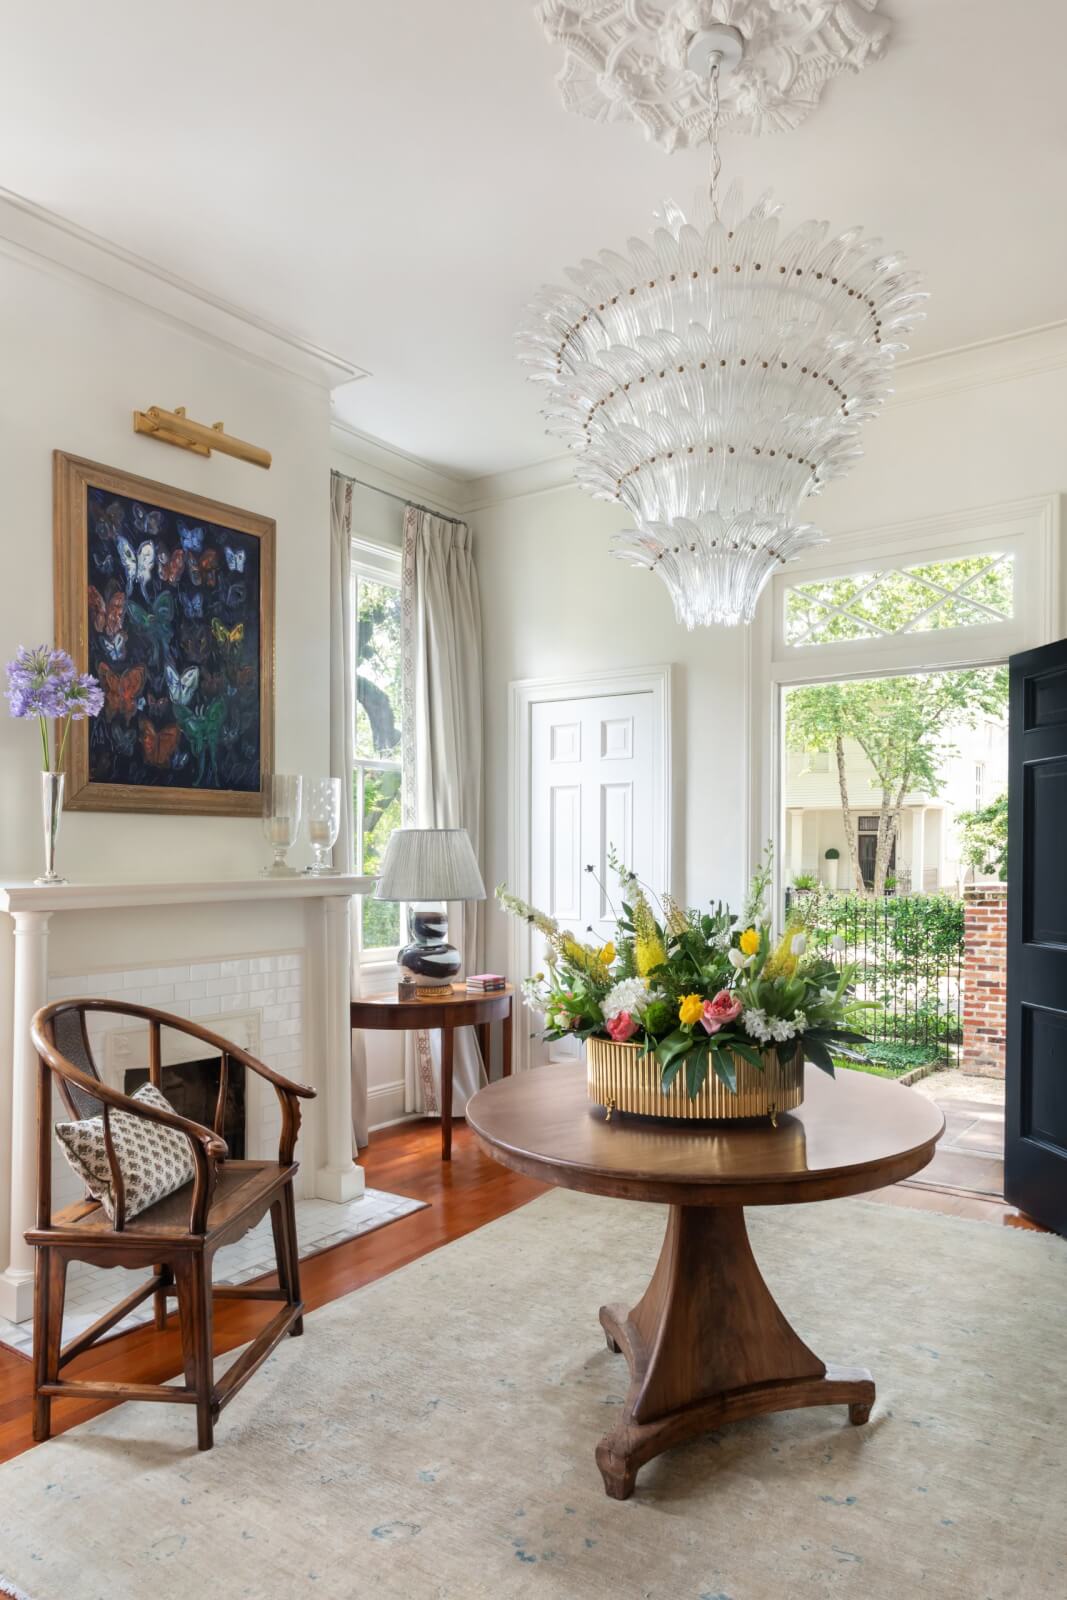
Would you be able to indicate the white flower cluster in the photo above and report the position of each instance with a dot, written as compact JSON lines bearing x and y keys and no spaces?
{"x":534,"y":993}
{"x":630,"y":994}
{"x":772,"y":1030}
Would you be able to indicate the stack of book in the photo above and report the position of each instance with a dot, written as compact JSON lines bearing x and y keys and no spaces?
{"x":486,"y":983}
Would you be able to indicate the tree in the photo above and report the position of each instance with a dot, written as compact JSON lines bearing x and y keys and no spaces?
{"x":985,"y":837}
{"x":903,"y":726}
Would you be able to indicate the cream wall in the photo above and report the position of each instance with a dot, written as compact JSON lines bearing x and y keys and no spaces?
{"x":966,"y":431}
{"x":76,"y":362}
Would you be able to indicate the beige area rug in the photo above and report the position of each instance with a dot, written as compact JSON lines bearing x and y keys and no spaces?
{"x":431,"y":1437}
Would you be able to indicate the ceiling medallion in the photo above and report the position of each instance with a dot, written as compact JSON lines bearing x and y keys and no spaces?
{"x":711,"y":379}
{"x":630,"y":60}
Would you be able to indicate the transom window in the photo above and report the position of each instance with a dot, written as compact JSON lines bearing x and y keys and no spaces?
{"x":959,"y":593}
{"x":376,"y":775}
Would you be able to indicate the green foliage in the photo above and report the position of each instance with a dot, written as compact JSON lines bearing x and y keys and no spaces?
{"x":985,"y":837}
{"x":378,"y":669}
{"x":833,"y":854}
{"x":378,"y":702}
{"x":859,"y":607}
{"x":805,"y":880}
{"x":908,"y":955}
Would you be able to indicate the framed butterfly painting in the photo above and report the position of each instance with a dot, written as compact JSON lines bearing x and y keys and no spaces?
{"x":168,"y":600}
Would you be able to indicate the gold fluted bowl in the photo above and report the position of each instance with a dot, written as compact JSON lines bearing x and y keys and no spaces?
{"x":622,"y":1079}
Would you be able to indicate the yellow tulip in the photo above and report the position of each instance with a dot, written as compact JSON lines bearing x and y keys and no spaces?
{"x":749,"y":942}
{"x":691,"y":1008}
{"x":607,"y":955}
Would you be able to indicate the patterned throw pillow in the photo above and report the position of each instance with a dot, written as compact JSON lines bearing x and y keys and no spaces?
{"x":154,"y":1161}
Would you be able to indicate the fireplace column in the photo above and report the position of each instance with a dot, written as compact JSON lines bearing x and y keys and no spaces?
{"x":339,"y":1178}
{"x":31,"y":992}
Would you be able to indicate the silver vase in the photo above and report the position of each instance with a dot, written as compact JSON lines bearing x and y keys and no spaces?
{"x":51,"y":813}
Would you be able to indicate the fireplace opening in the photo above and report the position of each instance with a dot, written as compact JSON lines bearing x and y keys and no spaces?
{"x":192,"y":1087}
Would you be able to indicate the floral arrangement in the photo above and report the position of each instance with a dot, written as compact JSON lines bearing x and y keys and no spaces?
{"x":693,"y":989}
{"x":43,"y":683}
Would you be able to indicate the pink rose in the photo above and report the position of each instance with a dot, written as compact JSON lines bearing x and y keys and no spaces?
{"x":718,"y":1012}
{"x":623,"y":1027}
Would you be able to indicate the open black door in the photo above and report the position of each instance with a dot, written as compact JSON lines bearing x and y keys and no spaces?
{"x":1035,"y":1147}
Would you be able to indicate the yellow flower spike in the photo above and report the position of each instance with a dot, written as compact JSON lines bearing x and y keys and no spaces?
{"x":749,"y":942}
{"x":607,"y":955}
{"x":691,"y":1009}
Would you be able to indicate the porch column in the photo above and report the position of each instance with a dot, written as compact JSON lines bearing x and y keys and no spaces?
{"x":339,"y":1178}
{"x":31,"y":992}
{"x":796,"y":842}
{"x":918,"y":849}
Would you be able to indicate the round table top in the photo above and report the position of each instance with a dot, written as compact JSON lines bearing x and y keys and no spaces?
{"x":852,"y":1133}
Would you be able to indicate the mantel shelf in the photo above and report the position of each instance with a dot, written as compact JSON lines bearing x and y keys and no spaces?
{"x":26,"y":896}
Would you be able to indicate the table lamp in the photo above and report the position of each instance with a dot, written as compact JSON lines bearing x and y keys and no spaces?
{"x":425,"y":867}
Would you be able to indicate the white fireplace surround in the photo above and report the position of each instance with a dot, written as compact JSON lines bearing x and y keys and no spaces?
{"x":292,"y":1001}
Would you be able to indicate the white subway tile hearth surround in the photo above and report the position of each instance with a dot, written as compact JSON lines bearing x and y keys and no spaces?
{"x":266,"y":993}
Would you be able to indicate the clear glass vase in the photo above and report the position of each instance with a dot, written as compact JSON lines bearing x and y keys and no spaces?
{"x":282,"y":796}
{"x":323,"y":821}
{"x":51,"y":815}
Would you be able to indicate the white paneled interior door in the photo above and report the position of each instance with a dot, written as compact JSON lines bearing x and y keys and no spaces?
{"x":594,"y":786}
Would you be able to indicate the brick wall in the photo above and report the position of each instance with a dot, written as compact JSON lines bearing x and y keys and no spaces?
{"x":984,"y":980}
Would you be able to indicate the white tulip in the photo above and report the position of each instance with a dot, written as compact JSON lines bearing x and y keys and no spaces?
{"x":799,"y":944}
{"x":838,"y":943}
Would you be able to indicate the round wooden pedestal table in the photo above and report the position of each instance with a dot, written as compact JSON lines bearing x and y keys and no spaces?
{"x":706,"y":1344}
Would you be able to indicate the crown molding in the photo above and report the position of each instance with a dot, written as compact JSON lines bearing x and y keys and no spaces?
{"x":44,"y":241}
{"x":974,"y":366}
{"x":386,"y":467}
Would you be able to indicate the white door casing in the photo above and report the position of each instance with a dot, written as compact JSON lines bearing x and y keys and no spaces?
{"x":589,"y":769}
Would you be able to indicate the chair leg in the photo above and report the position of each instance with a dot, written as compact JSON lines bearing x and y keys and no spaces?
{"x":287,"y":1251}
{"x":193,"y":1275}
{"x":49,"y":1292}
{"x":160,"y":1296}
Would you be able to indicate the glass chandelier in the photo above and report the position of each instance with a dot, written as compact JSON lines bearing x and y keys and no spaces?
{"x":714,"y":378}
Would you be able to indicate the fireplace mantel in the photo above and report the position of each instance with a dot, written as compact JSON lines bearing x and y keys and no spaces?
{"x":27,"y":896}
{"x":326,"y":901}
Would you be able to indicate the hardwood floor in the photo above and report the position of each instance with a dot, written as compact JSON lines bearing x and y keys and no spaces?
{"x":405,"y":1159}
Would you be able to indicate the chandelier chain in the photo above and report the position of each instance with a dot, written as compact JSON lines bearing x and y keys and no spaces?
{"x":713,"y":138}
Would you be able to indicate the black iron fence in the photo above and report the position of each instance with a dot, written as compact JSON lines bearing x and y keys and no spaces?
{"x":908,"y":954}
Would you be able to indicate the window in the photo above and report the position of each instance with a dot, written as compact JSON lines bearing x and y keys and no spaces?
{"x":979,"y":785}
{"x":376,"y":776}
{"x":959,"y":593}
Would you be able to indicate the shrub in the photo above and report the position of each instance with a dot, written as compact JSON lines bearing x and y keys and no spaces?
{"x":833,"y":854}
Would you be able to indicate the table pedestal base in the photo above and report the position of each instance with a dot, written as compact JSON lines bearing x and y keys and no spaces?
{"x":706,"y":1344}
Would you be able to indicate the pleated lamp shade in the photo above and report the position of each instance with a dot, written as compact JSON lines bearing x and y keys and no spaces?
{"x":429,"y":864}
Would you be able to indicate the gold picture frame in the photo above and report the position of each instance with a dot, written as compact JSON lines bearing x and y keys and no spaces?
{"x":168,"y":598}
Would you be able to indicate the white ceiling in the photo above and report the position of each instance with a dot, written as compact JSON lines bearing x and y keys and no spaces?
{"x":392,"y":181}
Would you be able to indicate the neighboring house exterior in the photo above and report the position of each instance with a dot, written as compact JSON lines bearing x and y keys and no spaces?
{"x":927,"y":851}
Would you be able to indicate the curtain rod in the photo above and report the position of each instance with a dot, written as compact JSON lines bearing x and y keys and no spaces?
{"x":405,"y":501}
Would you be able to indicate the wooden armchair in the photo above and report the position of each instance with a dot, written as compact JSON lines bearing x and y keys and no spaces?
{"x":176,"y":1238}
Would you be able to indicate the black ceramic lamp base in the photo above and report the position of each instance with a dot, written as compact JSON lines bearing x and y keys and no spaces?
{"x":428,"y":959}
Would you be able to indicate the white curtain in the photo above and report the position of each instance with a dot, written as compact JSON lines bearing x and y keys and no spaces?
{"x":442,"y":744}
{"x":342,"y":724}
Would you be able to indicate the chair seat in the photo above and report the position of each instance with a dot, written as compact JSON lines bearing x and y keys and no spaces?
{"x":242,"y":1187}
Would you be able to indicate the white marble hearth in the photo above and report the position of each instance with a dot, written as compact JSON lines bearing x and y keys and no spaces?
{"x":267,"y":957}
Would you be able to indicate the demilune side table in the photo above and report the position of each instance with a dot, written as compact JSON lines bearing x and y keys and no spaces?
{"x":454,"y":1008}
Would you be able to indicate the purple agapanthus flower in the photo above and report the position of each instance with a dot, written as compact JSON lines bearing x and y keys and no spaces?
{"x":43,"y":683}
{"x":84,"y":696}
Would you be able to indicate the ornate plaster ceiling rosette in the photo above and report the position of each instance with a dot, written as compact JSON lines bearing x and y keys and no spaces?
{"x":628,"y":60}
